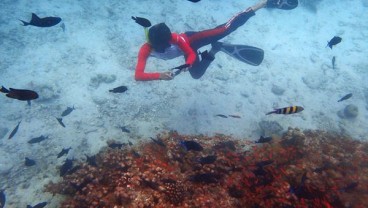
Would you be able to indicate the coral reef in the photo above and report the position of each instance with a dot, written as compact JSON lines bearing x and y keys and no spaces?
{"x":277,"y":90}
{"x":300,"y":169}
{"x":351,"y":111}
{"x":101,"y":78}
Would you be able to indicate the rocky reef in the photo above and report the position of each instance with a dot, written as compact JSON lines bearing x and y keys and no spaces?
{"x":299,"y":169}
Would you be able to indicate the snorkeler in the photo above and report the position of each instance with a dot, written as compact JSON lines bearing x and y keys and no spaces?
{"x":166,"y":45}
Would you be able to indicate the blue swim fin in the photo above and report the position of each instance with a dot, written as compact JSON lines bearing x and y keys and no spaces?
{"x":247,"y":54}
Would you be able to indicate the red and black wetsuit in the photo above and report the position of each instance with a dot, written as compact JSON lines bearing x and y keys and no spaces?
{"x":187,"y":44}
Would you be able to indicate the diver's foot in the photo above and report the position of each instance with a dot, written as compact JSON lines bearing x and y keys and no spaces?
{"x":282,"y":4}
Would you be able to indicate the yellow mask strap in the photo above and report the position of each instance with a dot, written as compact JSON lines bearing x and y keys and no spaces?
{"x":146,"y":33}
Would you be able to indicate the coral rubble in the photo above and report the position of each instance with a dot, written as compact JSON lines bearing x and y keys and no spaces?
{"x":300,"y":169}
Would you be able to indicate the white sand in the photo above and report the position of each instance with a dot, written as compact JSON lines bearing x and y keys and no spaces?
{"x":100,"y":38}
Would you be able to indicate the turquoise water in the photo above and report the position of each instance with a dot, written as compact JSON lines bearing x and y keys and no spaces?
{"x":98,"y":51}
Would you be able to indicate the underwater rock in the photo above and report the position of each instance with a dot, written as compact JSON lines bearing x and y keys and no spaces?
{"x":270,"y":127}
{"x":316,"y":82}
{"x":47,"y":92}
{"x":99,"y":100}
{"x":101,"y":78}
{"x":3,"y":132}
{"x":351,"y":111}
{"x":277,"y":90}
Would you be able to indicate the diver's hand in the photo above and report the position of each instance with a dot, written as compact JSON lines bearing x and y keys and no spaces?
{"x":186,"y":68}
{"x":166,"y":75}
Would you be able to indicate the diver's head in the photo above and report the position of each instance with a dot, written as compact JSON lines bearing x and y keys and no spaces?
{"x":159,"y":37}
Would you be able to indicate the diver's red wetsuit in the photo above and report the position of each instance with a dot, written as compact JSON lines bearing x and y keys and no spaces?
{"x":187,"y":44}
{"x":145,"y":51}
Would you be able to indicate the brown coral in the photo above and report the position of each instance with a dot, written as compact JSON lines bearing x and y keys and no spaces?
{"x":301,"y":169}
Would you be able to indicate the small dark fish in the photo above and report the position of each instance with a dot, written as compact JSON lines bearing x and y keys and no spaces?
{"x":324,"y":167}
{"x":335,"y":40}
{"x":168,"y":181}
{"x":195,"y":1}
{"x":74,"y":169}
{"x":37,"y":139}
{"x":333,"y":62}
{"x":2,"y":199}
{"x":221,"y":115}
{"x":60,"y":120}
{"x":91,"y":160}
{"x":205,"y":178}
{"x":234,"y":116}
{"x":287,"y":110}
{"x":236,"y":192}
{"x":208,"y":159}
{"x":142,"y":21}
{"x":136,"y":154}
{"x":66,"y":167}
{"x":115,"y":145}
{"x":130,"y":143}
{"x":124,"y":129}
{"x":19,"y":94}
{"x":150,"y":184}
{"x":264,"y":163}
{"x":29,"y":162}
{"x":264,"y":139}
{"x":259,"y":171}
{"x":226,"y":145}
{"x":63,"y":152}
{"x":350,"y":187}
{"x":120,"y":89}
{"x":298,"y":189}
{"x":67,"y":111}
{"x":158,"y":141}
{"x":14,"y":131}
{"x":347,"y":96}
{"x":191,"y":145}
{"x":39,"y":205}
{"x":319,"y":170}
{"x":42,"y":22}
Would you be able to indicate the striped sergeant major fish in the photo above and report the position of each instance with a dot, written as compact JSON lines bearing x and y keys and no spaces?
{"x":287,"y":110}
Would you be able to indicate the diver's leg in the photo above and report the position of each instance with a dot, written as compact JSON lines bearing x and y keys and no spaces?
{"x":202,"y":38}
{"x":259,"y":5}
{"x":205,"y":37}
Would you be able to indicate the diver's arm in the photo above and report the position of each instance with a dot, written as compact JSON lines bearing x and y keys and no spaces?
{"x":140,"y":75}
{"x":185,"y":47}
